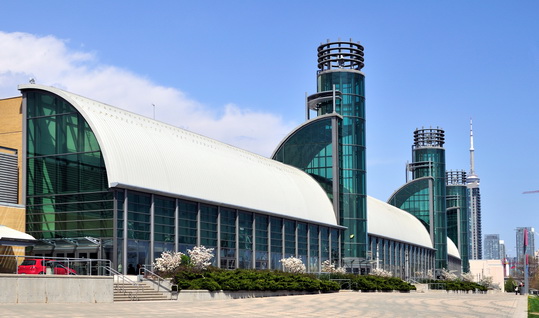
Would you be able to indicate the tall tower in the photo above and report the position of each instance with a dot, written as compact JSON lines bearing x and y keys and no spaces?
{"x":331,"y":146}
{"x":339,"y":65}
{"x":428,"y":156}
{"x":476,"y":251}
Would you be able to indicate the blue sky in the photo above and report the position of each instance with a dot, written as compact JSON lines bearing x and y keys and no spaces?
{"x":238,"y":71}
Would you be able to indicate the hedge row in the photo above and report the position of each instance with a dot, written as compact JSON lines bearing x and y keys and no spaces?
{"x":242,"y":279}
{"x":456,"y":285}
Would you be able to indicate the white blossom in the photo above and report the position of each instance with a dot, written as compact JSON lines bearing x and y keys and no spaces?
{"x":381,"y":272}
{"x":468,"y":277}
{"x":293,"y":265}
{"x":168,"y":262}
{"x":200,"y":257}
{"x":487,"y":281}
{"x":448,"y":275}
{"x":328,"y":267}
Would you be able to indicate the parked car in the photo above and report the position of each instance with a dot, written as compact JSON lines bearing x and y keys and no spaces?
{"x":40,"y":266}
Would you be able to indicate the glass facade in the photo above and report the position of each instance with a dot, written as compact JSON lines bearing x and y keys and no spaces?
{"x":310,"y":149}
{"x":458,"y":221}
{"x":352,"y":154}
{"x":66,"y":183}
{"x":435,"y":157}
{"x":416,"y":198}
{"x":402,"y":259}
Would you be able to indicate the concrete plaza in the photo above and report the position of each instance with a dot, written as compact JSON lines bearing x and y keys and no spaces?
{"x":343,"y":304}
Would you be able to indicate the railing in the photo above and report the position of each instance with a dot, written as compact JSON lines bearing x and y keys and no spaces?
{"x":343,"y":282}
{"x":151,"y":276}
{"x":122,"y":280}
{"x":72,"y":266}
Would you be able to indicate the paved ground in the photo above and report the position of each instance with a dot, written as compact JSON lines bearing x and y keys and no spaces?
{"x":343,"y":304}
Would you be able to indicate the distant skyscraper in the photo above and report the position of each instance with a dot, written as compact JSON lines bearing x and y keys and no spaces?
{"x":492,"y":246}
{"x":502,"y":250}
{"x":522,"y":239}
{"x":475,"y":206}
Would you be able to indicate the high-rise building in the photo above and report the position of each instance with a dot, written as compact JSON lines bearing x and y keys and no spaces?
{"x":331,"y":147}
{"x":475,"y":206}
{"x":425,"y":196}
{"x":525,"y":241}
{"x":457,"y":214}
{"x":492,"y":246}
{"x":502,"y":250}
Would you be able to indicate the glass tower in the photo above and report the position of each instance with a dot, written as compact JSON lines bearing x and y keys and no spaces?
{"x":457,"y":214}
{"x":331,"y":146}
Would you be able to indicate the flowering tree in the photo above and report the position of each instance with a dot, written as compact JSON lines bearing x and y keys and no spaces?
{"x":381,"y":272}
{"x":330,"y":268}
{"x":168,"y":262}
{"x":448,"y":275}
{"x":293,"y":265}
{"x":200,"y":257}
{"x":467,"y":277}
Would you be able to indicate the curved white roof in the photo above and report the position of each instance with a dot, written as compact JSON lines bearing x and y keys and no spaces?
{"x":143,"y":153}
{"x":452,"y":249}
{"x":391,"y":222}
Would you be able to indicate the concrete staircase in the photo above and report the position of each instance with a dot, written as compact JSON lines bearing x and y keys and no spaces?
{"x":139,"y":292}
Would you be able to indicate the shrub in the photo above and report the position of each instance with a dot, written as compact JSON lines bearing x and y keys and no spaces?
{"x":204,"y":283}
{"x":241,"y":279}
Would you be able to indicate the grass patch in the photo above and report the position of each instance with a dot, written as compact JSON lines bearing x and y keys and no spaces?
{"x":533,"y":306}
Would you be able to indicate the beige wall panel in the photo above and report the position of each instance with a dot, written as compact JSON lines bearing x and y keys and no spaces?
{"x":11,"y":130}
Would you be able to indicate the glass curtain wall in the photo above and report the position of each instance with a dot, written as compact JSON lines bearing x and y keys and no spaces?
{"x":67,"y":194}
{"x":228,"y":238}
{"x":261,"y":239}
{"x":415,"y":197}
{"x":352,"y":154}
{"x":208,"y":228}
{"x":245,"y":240}
{"x":276,"y":226}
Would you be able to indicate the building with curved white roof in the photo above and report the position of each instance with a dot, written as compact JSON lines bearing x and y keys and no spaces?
{"x":139,"y":187}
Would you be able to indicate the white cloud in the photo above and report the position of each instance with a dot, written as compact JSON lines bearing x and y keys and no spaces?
{"x":51,"y":62}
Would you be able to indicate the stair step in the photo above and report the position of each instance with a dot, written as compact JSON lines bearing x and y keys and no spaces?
{"x":142,"y":292}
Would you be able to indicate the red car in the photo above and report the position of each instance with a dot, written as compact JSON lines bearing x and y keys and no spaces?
{"x":40,"y":266}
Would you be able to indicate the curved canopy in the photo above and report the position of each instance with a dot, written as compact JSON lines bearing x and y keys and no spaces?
{"x":390,"y":222}
{"x":452,"y":249}
{"x":145,"y":154}
{"x":12,"y":237}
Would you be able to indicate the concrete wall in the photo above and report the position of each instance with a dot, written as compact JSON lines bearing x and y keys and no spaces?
{"x":202,"y":295}
{"x":55,"y":289}
{"x":486,"y":268}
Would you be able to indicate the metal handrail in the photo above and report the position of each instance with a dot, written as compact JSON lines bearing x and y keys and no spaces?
{"x":153,"y":274}
{"x":66,"y":262}
{"x":125,"y":280}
